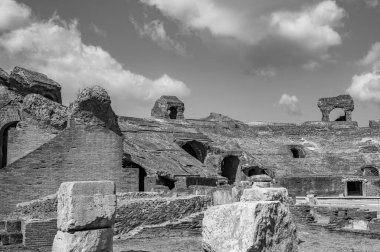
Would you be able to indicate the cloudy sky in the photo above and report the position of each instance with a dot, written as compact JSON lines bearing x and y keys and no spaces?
{"x":253,"y":60}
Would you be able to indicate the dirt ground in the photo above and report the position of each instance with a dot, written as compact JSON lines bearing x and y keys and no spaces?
{"x":314,"y":240}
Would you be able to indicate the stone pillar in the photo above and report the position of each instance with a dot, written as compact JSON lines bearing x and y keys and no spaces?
{"x":348,"y":115}
{"x":85,"y":216}
{"x":325,"y":116}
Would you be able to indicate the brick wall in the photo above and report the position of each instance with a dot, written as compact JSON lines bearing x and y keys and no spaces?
{"x":39,"y":233}
{"x":326,"y":186}
{"x":77,"y":153}
{"x":24,"y":139}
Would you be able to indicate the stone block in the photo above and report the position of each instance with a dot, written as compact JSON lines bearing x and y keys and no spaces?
{"x":13,"y":226}
{"x":2,"y":226}
{"x":86,"y":205}
{"x":249,"y":226}
{"x":99,"y":240}
{"x":265,"y":194}
{"x":10,"y":238}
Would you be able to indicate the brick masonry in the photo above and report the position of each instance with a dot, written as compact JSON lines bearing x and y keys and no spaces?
{"x":77,"y":153}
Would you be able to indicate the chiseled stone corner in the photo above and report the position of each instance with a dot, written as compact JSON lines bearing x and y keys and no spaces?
{"x":265,"y":194}
{"x":86,"y":205}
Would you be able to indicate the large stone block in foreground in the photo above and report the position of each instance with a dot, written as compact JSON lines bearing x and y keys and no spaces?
{"x":86,"y":205}
{"x":265,"y":194}
{"x":89,"y":241}
{"x":249,"y":226}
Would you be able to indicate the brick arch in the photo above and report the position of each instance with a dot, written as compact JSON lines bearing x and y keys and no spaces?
{"x":196,"y":149}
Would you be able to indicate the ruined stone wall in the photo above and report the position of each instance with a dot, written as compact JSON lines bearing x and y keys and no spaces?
{"x":24,"y":139}
{"x":326,"y":186}
{"x":78,"y":153}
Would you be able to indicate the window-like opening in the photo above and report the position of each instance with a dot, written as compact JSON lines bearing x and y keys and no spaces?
{"x":4,"y":134}
{"x":173,"y":113}
{"x":354,"y":188}
{"x":47,"y":96}
{"x":370,"y":171}
{"x":166,"y":182}
{"x":196,"y":149}
{"x":142,"y":173}
{"x":230,"y":166}
{"x":297,"y":152}
{"x":338,"y":114}
{"x":254,"y":170}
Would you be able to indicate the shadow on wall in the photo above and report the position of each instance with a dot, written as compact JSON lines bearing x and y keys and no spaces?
{"x":196,"y":149}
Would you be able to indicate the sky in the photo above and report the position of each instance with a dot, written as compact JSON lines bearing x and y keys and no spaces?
{"x":252,"y":60}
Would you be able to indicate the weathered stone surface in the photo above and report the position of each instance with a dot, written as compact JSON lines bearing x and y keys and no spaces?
{"x":25,"y":81}
{"x":168,"y":107}
{"x":99,"y":240}
{"x":265,"y":194}
{"x":345,"y":102}
{"x":4,"y":77}
{"x":93,"y":107}
{"x":86,"y":205}
{"x":374,"y":123}
{"x":249,"y":226}
{"x":45,"y":111}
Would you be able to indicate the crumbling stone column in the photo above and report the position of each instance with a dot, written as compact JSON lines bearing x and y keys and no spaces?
{"x":86,"y":215}
{"x":260,"y":222}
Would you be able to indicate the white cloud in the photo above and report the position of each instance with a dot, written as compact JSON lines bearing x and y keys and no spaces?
{"x":372,"y":3}
{"x":155,"y":30}
{"x":276,"y":33}
{"x":365,"y":87}
{"x":290,"y":104}
{"x":372,"y":56}
{"x":13,"y":15}
{"x":98,"y":31}
{"x":55,"y":48}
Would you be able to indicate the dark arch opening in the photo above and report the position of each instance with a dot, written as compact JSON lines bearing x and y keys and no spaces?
{"x":48,"y":96}
{"x":338,"y":115}
{"x":229,"y":168}
{"x":254,"y":170}
{"x":370,"y":171}
{"x":297,"y":152}
{"x":166,"y":182}
{"x":173,"y":113}
{"x":196,"y":149}
{"x":142,"y":173}
{"x":4,"y":134}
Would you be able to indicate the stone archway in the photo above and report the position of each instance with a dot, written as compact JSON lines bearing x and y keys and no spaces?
{"x":196,"y":149}
{"x":172,"y":112}
{"x":4,"y":141}
{"x":229,"y":167}
{"x":344,"y":102}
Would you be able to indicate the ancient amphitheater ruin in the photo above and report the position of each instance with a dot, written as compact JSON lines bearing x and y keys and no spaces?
{"x":178,"y":177}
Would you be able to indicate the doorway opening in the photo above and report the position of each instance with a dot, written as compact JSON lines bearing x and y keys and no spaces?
{"x":354,"y":188}
{"x":338,"y":115}
{"x":229,"y":167}
{"x":173,"y":113}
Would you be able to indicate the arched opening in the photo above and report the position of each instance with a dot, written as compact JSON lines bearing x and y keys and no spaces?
{"x":4,"y":134}
{"x":297,"y":152}
{"x":48,"y":96}
{"x":166,"y":182}
{"x":370,"y":171}
{"x":173,"y":113}
{"x":195,"y":149}
{"x":254,"y":170}
{"x":229,"y":168}
{"x":337,"y":115}
{"x":141,"y":172}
